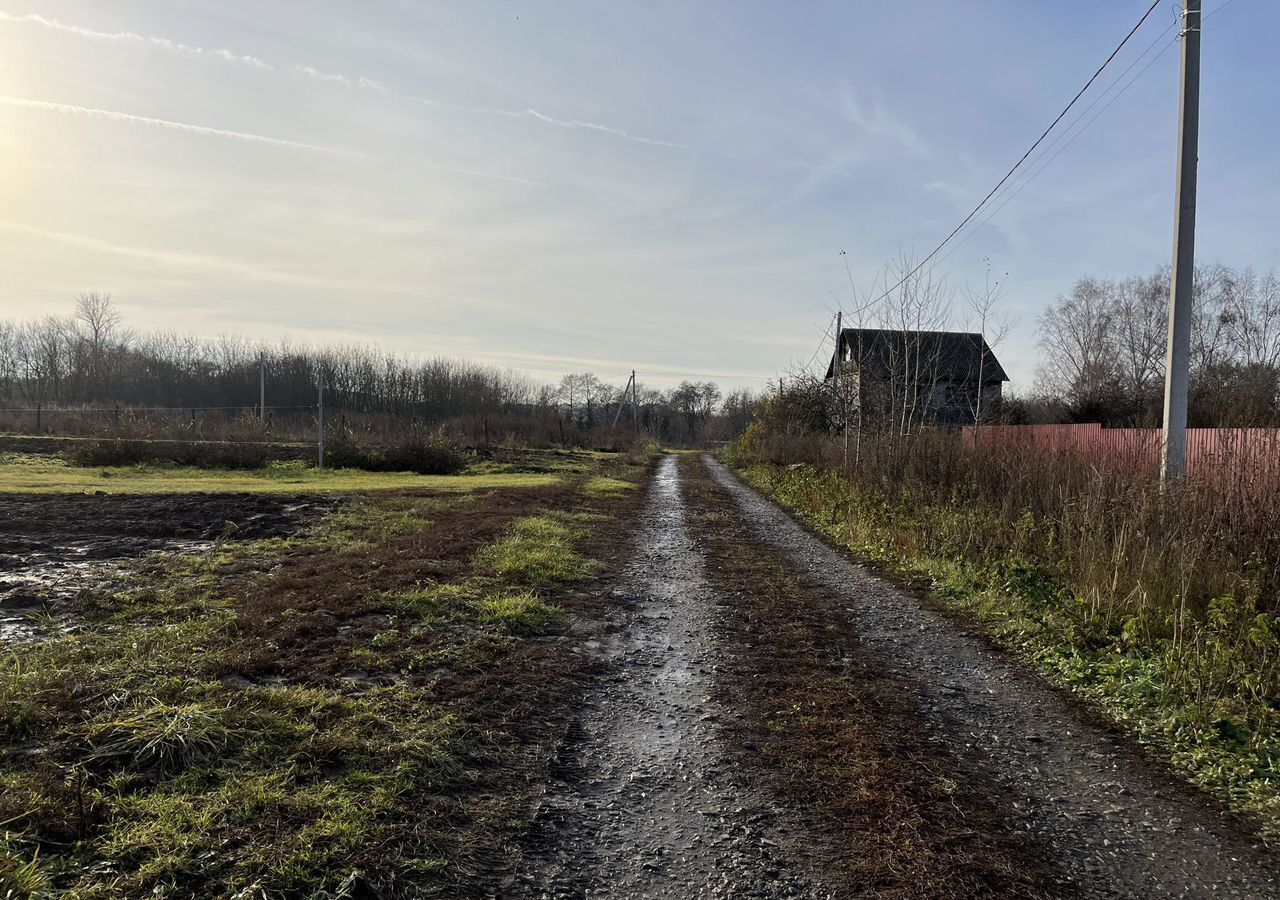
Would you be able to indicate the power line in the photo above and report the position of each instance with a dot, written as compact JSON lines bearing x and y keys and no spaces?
{"x":825,"y":335}
{"x":1030,"y":150}
{"x":1040,"y":167}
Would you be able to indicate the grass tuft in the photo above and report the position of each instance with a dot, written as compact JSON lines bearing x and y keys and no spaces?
{"x":522,"y":613}
{"x":603,"y":486}
{"x":164,"y":738}
{"x":537,"y":550}
{"x":22,"y":877}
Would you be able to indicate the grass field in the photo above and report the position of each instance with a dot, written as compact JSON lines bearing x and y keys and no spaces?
{"x":361,"y":709}
{"x":45,"y":474}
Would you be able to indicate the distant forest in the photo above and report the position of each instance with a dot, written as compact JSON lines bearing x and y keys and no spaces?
{"x":90,"y":358}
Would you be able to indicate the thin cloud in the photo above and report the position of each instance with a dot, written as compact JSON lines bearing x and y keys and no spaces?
{"x":204,"y":262}
{"x":129,"y":37}
{"x":370,"y":84}
{"x":873,"y":118}
{"x":323,"y":76}
{"x":115,"y":116}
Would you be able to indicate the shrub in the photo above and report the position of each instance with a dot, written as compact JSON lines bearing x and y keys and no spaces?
{"x":425,"y":454}
{"x":212,"y":455}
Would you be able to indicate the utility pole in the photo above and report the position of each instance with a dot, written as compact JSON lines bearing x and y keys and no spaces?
{"x":835,"y":359}
{"x":635,"y":416}
{"x":630,"y":388}
{"x":262,"y":387}
{"x":1173,"y":455}
{"x":320,"y":419}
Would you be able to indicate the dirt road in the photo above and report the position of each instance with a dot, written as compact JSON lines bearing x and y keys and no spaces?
{"x":773,"y":721}
{"x":646,"y":805}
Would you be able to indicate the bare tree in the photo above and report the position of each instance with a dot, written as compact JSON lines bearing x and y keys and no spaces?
{"x":1077,"y":340}
{"x":96,"y":329}
{"x":920,"y":303}
{"x":1141,"y":310}
{"x":993,"y":327}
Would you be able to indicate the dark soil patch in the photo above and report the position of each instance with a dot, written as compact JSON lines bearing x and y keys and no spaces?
{"x":25,"y":518}
{"x":839,"y":737}
{"x":52,"y":546}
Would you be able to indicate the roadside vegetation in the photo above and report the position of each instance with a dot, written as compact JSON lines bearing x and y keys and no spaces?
{"x":1159,"y":606}
{"x":363,"y":709}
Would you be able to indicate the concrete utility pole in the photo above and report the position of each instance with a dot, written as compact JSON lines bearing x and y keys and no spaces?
{"x":1173,"y":457}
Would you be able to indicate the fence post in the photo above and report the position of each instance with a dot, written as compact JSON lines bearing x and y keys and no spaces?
{"x":320,"y":434}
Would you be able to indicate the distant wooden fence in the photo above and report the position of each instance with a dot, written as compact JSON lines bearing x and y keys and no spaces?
{"x":1247,"y":453}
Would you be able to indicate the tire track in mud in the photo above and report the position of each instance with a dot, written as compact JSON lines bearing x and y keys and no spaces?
{"x":1114,"y":823}
{"x":646,"y":805}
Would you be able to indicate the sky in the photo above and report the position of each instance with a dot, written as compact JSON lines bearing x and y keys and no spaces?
{"x":688,"y":189}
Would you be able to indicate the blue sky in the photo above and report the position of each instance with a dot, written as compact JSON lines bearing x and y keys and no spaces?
{"x":664,"y":186}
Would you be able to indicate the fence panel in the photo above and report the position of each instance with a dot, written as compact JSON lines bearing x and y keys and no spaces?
{"x":1248,"y":455}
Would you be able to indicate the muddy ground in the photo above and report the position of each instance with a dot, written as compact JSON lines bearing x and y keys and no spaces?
{"x":771,"y":720}
{"x":54,"y":545}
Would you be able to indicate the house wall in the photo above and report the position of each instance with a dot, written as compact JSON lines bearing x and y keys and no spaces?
{"x":945,"y":403}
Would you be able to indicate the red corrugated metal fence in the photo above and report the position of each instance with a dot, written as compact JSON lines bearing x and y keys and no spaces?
{"x":1254,"y":452}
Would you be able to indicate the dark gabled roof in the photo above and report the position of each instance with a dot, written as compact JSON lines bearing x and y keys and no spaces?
{"x":932,"y":355}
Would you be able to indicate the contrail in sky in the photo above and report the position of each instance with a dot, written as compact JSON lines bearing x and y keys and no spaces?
{"x":115,"y":116}
{"x":90,"y":112}
{"x":372,"y":85}
{"x":129,"y":37}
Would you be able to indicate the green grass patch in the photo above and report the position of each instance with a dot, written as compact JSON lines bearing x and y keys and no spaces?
{"x":602,"y":486}
{"x":50,"y":475}
{"x":522,"y":613}
{"x":537,"y":550}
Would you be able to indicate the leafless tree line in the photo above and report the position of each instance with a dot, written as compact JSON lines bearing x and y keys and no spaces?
{"x":1103,"y":349}
{"x":691,"y":413}
{"x":90,"y":359}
